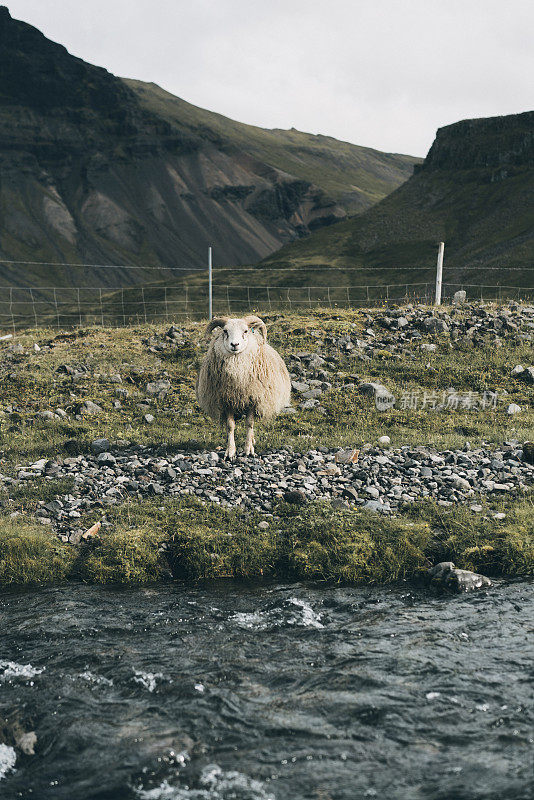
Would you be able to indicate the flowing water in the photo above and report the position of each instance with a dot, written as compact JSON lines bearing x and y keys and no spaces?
{"x":224,"y":692}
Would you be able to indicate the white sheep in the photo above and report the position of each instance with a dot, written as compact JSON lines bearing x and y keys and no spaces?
{"x":241,"y":376}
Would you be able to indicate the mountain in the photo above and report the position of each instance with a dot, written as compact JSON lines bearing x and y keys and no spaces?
{"x":354,"y":176}
{"x":474,"y":191}
{"x":100,"y":170}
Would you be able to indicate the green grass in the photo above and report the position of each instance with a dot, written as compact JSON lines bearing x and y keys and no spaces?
{"x":33,"y":384}
{"x":195,"y":541}
{"x":30,"y":555}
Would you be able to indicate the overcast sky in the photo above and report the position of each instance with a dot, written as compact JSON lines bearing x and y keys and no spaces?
{"x":382,"y":73}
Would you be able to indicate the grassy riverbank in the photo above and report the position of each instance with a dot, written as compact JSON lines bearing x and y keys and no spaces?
{"x":188,"y":540}
{"x":146,"y":540}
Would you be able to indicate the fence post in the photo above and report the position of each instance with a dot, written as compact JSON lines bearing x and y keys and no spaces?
{"x":210,"y":284}
{"x":34,"y":309}
{"x":11,"y":310}
{"x":56,"y":307}
{"x":144,"y":303}
{"x":439,"y":274}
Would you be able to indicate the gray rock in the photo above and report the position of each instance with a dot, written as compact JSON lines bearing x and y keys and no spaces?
{"x":512,"y":409}
{"x":46,"y":415}
{"x":149,"y":418}
{"x":445,"y":575}
{"x":434,"y":325}
{"x":100,"y":445}
{"x":372,"y":388}
{"x":88,"y":407}
{"x":459,"y":297}
{"x":308,"y":404}
{"x":106,"y":459}
{"x":300,"y":386}
{"x":311,"y":394}
{"x":528,"y":376}
{"x":158,"y":388}
{"x":376,"y":507}
{"x":460,"y":483}
{"x":517,"y":370}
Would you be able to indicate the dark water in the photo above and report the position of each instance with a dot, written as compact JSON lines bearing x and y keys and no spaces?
{"x":286,"y":692}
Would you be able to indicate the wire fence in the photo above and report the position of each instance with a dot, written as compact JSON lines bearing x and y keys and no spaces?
{"x":61,"y":307}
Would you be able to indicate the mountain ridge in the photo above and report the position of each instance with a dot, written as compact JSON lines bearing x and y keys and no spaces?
{"x":90,"y":173}
{"x":473,"y":191}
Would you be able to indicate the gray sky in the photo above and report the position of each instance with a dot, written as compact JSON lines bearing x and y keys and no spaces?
{"x":382,"y":73}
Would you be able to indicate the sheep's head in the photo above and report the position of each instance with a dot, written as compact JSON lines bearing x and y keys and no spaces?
{"x":237,"y":335}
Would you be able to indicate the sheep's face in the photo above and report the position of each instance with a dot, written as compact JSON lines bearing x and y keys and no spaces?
{"x":236,"y":337}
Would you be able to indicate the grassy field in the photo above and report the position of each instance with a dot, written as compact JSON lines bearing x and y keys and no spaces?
{"x":343,"y":545}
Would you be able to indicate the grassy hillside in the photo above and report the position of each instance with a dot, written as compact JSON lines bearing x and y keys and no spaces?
{"x":473,"y":192}
{"x":354,"y":176}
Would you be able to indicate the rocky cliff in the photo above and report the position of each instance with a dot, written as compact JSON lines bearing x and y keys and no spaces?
{"x":474,"y":192}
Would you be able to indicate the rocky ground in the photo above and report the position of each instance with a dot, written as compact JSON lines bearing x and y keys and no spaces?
{"x":343,"y":365}
{"x":377,"y":479}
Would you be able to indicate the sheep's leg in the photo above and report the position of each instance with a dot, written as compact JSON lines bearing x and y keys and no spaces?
{"x":230,"y":442}
{"x":251,"y":441}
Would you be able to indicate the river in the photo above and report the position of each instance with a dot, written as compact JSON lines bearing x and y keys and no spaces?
{"x":278,"y":692}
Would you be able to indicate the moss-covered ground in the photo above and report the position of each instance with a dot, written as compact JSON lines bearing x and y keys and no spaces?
{"x":191,"y":541}
{"x":148,"y":539}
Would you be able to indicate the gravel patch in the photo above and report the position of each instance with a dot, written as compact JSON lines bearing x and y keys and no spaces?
{"x":380,"y":480}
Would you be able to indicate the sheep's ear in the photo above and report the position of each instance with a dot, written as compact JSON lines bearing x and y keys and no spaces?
{"x":217,"y":322}
{"x":255,"y":322}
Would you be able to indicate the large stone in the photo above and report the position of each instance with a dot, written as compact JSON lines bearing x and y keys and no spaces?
{"x":459,"y":297}
{"x":434,"y":325}
{"x":100,"y":445}
{"x":446,"y":576}
{"x":106,"y":460}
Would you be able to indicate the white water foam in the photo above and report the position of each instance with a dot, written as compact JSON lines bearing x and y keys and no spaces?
{"x":215,"y":784}
{"x":149,"y":680}
{"x":294,"y":612}
{"x":8,"y":758}
{"x":90,"y":677}
{"x":10,"y":670}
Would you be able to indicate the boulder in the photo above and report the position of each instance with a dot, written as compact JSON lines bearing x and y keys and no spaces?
{"x":100,"y":445}
{"x":446,"y":576}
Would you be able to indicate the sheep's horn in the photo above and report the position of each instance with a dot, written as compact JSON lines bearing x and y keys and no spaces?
{"x":217,"y":322}
{"x":254,"y":322}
